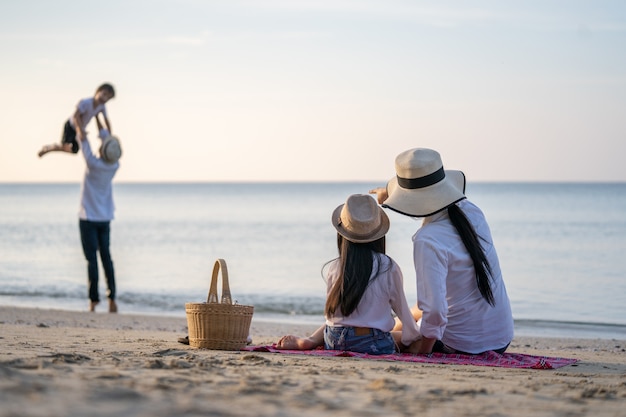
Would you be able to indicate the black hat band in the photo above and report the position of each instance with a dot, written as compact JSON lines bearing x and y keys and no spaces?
{"x":421,"y":182}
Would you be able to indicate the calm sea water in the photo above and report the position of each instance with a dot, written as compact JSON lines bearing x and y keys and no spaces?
{"x":562,"y":248}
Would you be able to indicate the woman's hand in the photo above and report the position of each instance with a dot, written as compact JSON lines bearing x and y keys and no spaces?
{"x":381,"y":194}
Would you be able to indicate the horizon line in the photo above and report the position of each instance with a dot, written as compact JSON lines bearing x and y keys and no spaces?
{"x":382,"y":182}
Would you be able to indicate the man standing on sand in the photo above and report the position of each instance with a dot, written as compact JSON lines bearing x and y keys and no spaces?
{"x":96,"y":212}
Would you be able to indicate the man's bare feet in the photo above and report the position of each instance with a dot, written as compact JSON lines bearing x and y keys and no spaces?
{"x":92,"y":305}
{"x":112,"y":306}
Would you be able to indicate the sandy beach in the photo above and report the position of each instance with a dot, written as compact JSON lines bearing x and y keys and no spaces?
{"x":67,"y":363}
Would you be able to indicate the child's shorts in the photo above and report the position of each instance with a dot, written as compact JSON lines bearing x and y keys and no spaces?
{"x":359,"y":339}
{"x":69,"y":136}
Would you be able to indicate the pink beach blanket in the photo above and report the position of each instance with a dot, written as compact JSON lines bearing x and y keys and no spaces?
{"x":506,"y":360}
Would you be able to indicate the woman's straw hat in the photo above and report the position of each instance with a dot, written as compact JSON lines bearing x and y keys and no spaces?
{"x":360,"y":219}
{"x":421,"y":186}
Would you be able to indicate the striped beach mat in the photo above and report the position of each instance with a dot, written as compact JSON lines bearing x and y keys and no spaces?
{"x":505,"y":360}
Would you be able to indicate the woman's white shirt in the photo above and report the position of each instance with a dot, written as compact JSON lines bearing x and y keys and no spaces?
{"x":453,"y":309}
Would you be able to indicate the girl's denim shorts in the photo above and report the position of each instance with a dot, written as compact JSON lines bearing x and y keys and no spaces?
{"x":376,"y":342}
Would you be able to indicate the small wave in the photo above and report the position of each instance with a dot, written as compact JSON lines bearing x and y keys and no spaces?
{"x":570,"y":329}
{"x":282,"y":308}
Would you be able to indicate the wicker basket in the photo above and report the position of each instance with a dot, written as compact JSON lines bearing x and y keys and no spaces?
{"x":218,"y":325}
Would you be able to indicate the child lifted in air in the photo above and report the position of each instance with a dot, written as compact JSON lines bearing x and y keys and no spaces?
{"x":76,"y":125}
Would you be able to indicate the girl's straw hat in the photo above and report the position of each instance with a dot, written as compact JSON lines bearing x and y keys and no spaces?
{"x":360,"y":219}
{"x":421,"y":186}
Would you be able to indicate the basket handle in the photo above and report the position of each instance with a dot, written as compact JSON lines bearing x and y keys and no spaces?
{"x":212,"y":297}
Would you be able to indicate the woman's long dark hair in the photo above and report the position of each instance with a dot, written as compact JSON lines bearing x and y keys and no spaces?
{"x":356,"y":267}
{"x":475,"y":248}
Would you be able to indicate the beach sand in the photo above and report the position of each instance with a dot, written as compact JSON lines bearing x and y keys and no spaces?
{"x":68,"y":363}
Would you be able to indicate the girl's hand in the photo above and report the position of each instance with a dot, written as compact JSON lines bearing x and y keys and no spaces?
{"x":291,"y":342}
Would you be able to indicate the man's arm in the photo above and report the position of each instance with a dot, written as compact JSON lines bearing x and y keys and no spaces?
{"x":106,"y":122}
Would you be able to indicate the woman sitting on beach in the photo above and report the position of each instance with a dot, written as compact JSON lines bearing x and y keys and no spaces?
{"x":363,"y":287}
{"x":460,"y":292}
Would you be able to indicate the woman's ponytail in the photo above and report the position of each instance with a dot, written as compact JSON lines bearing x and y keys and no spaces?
{"x":472,"y":244}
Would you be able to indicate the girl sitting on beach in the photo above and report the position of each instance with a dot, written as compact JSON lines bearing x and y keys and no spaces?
{"x":363,"y":287}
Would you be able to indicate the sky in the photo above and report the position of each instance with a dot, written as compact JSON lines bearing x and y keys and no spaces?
{"x":319,"y":90}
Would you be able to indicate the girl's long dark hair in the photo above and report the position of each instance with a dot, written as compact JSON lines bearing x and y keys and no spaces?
{"x":475,"y":248}
{"x":356,"y":267}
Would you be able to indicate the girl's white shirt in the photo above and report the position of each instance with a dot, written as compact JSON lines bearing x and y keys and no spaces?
{"x":384,"y":294}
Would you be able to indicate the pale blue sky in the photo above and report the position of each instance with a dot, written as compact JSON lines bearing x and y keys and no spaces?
{"x":320,"y":90}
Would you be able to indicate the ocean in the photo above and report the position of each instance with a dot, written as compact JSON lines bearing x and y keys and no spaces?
{"x":562,"y":249}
